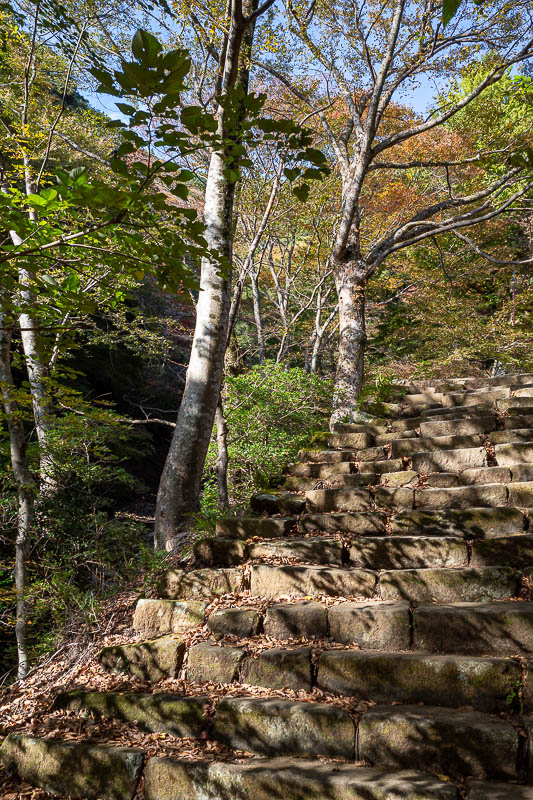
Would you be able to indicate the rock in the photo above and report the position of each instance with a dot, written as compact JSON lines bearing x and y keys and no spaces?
{"x":447,"y":741}
{"x":401,"y":552}
{"x":182,"y":584}
{"x":476,"y":398}
{"x":510,"y":436}
{"x":443,"y":680}
{"x":442,"y":480}
{"x":526,"y":392}
{"x":473,"y":628}
{"x":489,"y":495}
{"x":485,"y":475}
{"x":367,"y":424}
{"x":266,"y":779}
{"x":310,"y":551}
{"x":247,"y":527}
{"x":149,"y":661}
{"x":386,"y":438}
{"x":279,"y":669}
{"x":522,"y":473}
{"x":241,"y":621}
{"x":282,"y":503}
{"x":372,"y":626}
{"x":479,"y":790}
{"x":344,"y":441}
{"x":448,"y":586}
{"x":406,"y":447}
{"x":157,"y":617}
{"x":216,"y":552}
{"x":513,"y":551}
{"x":372,"y":523}
{"x":326,"y":456}
{"x":395,"y":479}
{"x":274,"y":727}
{"x":371,"y":454}
{"x":459,"y":427}
{"x":164,"y":712}
{"x":387,"y":465}
{"x":449,"y":460}
{"x":299,"y":581}
{"x":476,"y":523}
{"x":388,"y":497}
{"x":314,"y":470}
{"x":338,"y":500}
{"x":296,"y":620}
{"x":211,"y":664}
{"x":521,"y":494}
{"x":74,"y":768}
{"x":518,"y":421}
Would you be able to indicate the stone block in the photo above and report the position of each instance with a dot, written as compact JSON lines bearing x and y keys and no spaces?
{"x":211,"y":664}
{"x":505,"y":551}
{"x":475,"y":523}
{"x":525,"y":392}
{"x":314,"y":470}
{"x":510,"y":436}
{"x":459,"y":427}
{"x":521,"y":494}
{"x":307,"y":620}
{"x":149,"y":661}
{"x":371,"y":626}
{"x":443,"y":480}
{"x":360,"y":427}
{"x":371,"y":454}
{"x":447,"y":585}
{"x":326,"y":456}
{"x":157,"y":617}
{"x":475,"y":398}
{"x":389,"y":497}
{"x":446,"y":741}
{"x":518,"y":421}
{"x":216,"y":552}
{"x":292,"y":779}
{"x":387,"y":465}
{"x":74,"y":768}
{"x":371,"y":523}
{"x":284,"y":503}
{"x":488,"y":495}
{"x":475,"y":628}
{"x":396,"y":479}
{"x":316,"y":550}
{"x":449,"y":460}
{"x":274,"y":582}
{"x":355,"y":441}
{"x":442,"y":680}
{"x":480,"y":790}
{"x":241,"y":621}
{"x":516,"y":405}
{"x":516,"y":379}
{"x":401,"y":552}
{"x":184,"y":717}
{"x":338,"y":500}
{"x":470,"y":477}
{"x":279,"y":669}
{"x":522,"y":473}
{"x":182,"y":584}
{"x":248,"y":527}
{"x":272,"y":727}
{"x":458,"y":412}
{"x":406,"y":447}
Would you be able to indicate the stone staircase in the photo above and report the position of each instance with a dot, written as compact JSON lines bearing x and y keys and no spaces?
{"x":368,"y":637}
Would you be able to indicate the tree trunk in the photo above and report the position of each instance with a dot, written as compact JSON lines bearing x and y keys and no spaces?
{"x":25,"y":491}
{"x":350,"y":281}
{"x":180,"y":486}
{"x":221,"y":464}
{"x":258,"y":318}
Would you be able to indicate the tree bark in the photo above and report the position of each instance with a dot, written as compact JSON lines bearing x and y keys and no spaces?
{"x":221,"y":464}
{"x":180,"y":486}
{"x":26,"y":495}
{"x":258,"y":318}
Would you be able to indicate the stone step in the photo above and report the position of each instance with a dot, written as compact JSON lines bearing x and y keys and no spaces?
{"x":364,"y":523}
{"x":513,"y":422}
{"x":459,"y":427}
{"x":483,"y":790}
{"x":446,"y":741}
{"x":297,"y":779}
{"x":476,"y":397}
{"x":284,"y":503}
{"x":513,"y":379}
{"x":449,"y":460}
{"x":515,"y":405}
{"x":511,"y":435}
{"x":325,"y":456}
{"x":485,"y":495}
{"x":157,"y":617}
{"x":338,"y":500}
{"x":405,"y":447}
{"x":458,"y":412}
{"x":440,"y":680}
{"x":74,"y":769}
{"x":474,"y":523}
{"x":400,"y":552}
{"x":387,"y":465}
{"x":361,"y":427}
{"x":514,"y":453}
{"x":272,"y":582}
{"x":317,"y":470}
{"x":312,"y":550}
{"x":355,"y":441}
{"x":521,"y":494}
{"x":478,"y":475}
{"x":350,"y":481}
{"x":149,"y":661}
{"x":472,"y":584}
{"x":187,"y":584}
{"x":512,"y":551}
{"x":386,"y":438}
{"x":248,"y":527}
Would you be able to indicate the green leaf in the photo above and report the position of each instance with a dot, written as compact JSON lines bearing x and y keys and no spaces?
{"x":49,"y":280}
{"x":291,"y":174}
{"x":449,"y":9}
{"x":145,"y":47}
{"x":301,"y":192}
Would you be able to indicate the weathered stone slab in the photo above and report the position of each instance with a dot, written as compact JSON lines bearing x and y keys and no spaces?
{"x":326,"y":456}
{"x":475,"y":628}
{"x":181,"y":584}
{"x":241,"y":622}
{"x":279,"y":669}
{"x":372,"y":626}
{"x":185,"y":717}
{"x":447,"y":585}
{"x":371,"y":454}
{"x":514,"y":379}
{"x":314,"y":470}
{"x":509,"y":551}
{"x":352,"y":480}
{"x":477,"y":523}
{"x":510,"y":436}
{"x":442,"y":480}
{"x":521,"y":494}
{"x":346,"y":441}
{"x":291,"y":779}
{"x":283,"y":581}
{"x":489,"y":495}
{"x":447,"y":741}
{"x":211,"y":664}
{"x":443,"y":680}
{"x":475,"y":398}
{"x":150,"y":661}
{"x":522,"y":473}
{"x":517,"y":421}
{"x":157,"y":617}
{"x":74,"y":768}
{"x":318,"y":550}
{"x":388,"y":465}
{"x":449,"y":460}
{"x":272,"y":727}
{"x":459,"y":427}
{"x":338,"y":500}
{"x":402,"y":552}
{"x":406,"y":447}
{"x":458,"y":412}
{"x":516,"y":405}
{"x":247,"y":527}
{"x":525,"y":392}
{"x":361,"y":427}
{"x":480,"y":790}
{"x":218,"y":552}
{"x":406,"y":477}
{"x":371,"y":523}
{"x":389,"y":497}
{"x":284,"y":503}
{"x":478,"y":475}
{"x":296,"y":620}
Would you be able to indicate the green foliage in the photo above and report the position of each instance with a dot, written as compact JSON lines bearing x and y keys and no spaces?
{"x":272,"y":412}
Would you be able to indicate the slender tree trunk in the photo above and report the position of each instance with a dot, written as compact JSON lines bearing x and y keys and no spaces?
{"x":258,"y":318}
{"x":180,"y":486}
{"x":221,"y":464}
{"x":25,"y":491}
{"x":350,"y":281}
